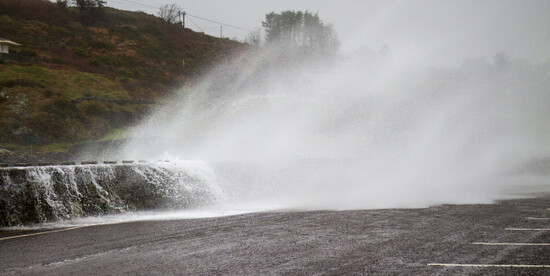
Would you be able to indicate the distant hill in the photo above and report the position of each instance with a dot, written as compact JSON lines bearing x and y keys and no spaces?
{"x":79,"y":77}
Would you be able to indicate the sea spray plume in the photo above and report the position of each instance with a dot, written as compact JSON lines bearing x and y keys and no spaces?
{"x":362,"y":131}
{"x":229,"y":88}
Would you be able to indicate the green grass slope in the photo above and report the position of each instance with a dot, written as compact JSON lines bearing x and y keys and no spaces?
{"x":79,"y":77}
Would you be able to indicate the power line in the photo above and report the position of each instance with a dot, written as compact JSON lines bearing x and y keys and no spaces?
{"x":221,"y":23}
{"x":193,"y":22}
{"x":210,"y":29}
{"x":195,"y":16}
{"x":137,"y":3}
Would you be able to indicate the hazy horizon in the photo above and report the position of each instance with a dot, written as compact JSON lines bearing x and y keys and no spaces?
{"x":443,"y":32}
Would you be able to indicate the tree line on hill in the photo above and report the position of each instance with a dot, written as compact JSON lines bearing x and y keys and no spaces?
{"x":291,"y":29}
{"x":84,"y":5}
{"x":304,"y":30}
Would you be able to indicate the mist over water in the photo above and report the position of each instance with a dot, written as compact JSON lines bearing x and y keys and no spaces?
{"x":372,"y":129}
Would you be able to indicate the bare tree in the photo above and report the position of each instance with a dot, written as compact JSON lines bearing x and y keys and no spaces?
{"x":169,"y":13}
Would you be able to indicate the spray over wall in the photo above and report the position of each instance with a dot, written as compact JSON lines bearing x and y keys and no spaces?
{"x":367,"y":130}
{"x":54,"y":193}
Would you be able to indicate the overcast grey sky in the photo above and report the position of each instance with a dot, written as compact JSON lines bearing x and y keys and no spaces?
{"x":445,"y":31}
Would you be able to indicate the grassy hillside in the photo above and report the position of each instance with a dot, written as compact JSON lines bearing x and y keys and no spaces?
{"x":78,"y":77}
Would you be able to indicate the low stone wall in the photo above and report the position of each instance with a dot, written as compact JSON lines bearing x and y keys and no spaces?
{"x":48,"y":193}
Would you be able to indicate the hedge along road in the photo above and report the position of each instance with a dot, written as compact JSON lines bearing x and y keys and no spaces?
{"x":449,"y":239}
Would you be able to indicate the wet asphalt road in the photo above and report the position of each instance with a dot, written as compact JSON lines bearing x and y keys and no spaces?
{"x":384,"y":242}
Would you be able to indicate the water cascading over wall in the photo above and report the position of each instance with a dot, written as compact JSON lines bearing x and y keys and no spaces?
{"x":40,"y":194}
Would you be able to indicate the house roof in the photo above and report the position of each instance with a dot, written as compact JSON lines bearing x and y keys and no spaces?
{"x":7,"y":41}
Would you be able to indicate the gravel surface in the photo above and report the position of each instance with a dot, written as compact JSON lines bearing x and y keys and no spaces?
{"x":362,"y":242}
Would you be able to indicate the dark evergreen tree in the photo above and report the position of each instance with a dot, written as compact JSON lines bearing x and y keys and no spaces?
{"x":89,"y":5}
{"x":301,"y":29}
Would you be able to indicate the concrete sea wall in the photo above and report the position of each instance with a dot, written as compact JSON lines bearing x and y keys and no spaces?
{"x":36,"y":194}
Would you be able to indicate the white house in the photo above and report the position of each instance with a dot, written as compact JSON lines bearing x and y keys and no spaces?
{"x":5,"y":45}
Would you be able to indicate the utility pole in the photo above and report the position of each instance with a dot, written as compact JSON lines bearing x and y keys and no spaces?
{"x":183,"y":20}
{"x":221,"y":31}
